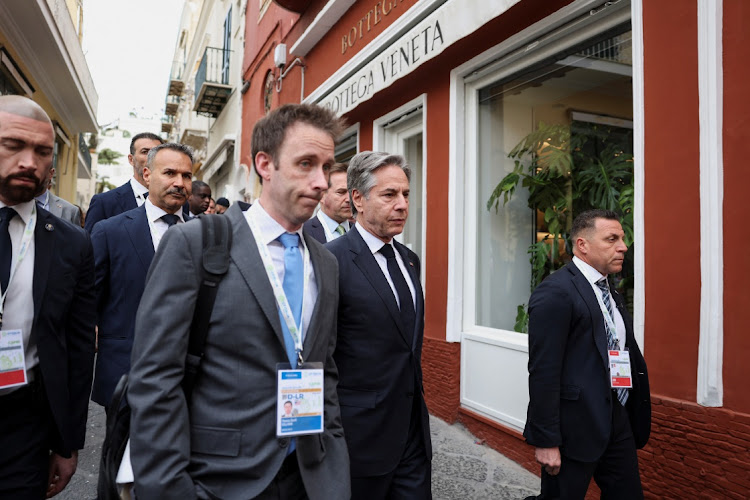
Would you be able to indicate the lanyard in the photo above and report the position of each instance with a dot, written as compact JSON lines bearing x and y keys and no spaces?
{"x":278,"y":289}
{"x":28,"y":234}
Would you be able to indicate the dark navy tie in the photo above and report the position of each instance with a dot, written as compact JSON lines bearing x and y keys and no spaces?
{"x":405,"y":300}
{"x":6,"y":247}
{"x":170,"y":219}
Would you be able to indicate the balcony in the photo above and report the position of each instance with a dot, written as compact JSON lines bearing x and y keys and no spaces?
{"x":167,"y":123}
{"x":212,"y":82}
{"x":176,"y":79}
{"x":173,"y":102}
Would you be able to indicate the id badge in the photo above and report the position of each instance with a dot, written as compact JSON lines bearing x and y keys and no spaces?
{"x":12,"y":361}
{"x":299,"y":397}
{"x":619,"y":370}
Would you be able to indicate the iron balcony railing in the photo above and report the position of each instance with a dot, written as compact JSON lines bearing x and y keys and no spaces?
{"x":214,"y":67}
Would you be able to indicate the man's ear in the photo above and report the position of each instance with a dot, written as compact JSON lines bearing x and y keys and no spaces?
{"x":264,"y":165}
{"x":356,"y":199}
{"x":131,"y":160}
{"x":147,"y":176}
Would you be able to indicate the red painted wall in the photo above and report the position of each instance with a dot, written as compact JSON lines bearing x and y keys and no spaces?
{"x":672,"y":203}
{"x":736,"y":181}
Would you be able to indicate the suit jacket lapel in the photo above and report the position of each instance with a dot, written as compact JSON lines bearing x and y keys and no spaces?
{"x":44,"y":251}
{"x":140,"y":235}
{"x":127,"y":198}
{"x":419,"y":294}
{"x":597,"y":320}
{"x":55,"y":207}
{"x":324,"y":281}
{"x":365,"y":261}
{"x":246,"y":256}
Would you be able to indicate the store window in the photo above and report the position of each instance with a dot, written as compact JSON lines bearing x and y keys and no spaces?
{"x":553,"y":139}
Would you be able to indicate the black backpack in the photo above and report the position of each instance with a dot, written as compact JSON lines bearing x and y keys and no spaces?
{"x":217,"y":242}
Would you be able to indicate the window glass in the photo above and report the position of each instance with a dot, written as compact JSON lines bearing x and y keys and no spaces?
{"x":563,"y":129}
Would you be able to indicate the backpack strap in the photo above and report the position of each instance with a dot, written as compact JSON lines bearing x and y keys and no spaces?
{"x":217,"y":241}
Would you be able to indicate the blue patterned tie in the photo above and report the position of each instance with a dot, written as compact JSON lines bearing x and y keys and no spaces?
{"x":613,"y":343}
{"x":293,"y":288}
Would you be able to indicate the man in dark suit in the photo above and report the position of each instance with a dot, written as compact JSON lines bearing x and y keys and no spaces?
{"x":332,"y":220}
{"x":124,"y":246}
{"x":47,"y":281}
{"x":225,"y":443}
{"x":380,"y":333}
{"x":579,"y":424}
{"x":199,"y":200}
{"x":55,"y":205}
{"x":130,"y":195}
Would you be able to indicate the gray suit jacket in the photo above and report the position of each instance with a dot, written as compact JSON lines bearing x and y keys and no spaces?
{"x":224,"y":445}
{"x":64,"y":209}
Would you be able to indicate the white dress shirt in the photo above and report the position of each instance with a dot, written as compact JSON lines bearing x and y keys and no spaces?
{"x":271,"y":230}
{"x":331,"y":225}
{"x":139,"y":190}
{"x":592,"y":276}
{"x":18,"y":313}
{"x":156,"y":225}
{"x":375,"y":244}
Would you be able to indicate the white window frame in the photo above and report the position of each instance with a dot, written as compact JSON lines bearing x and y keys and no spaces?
{"x":379,"y":125}
{"x":502,"y":60}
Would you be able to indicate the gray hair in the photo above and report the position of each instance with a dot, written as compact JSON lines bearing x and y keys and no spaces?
{"x":174,"y":146}
{"x":363,"y":165}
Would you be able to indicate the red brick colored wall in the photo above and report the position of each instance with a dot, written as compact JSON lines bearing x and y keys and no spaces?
{"x":696,"y":452}
{"x":441,"y":366}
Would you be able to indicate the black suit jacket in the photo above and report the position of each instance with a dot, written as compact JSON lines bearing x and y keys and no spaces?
{"x":314,"y":228}
{"x":106,"y":205}
{"x":123,"y":250}
{"x":380,"y":364}
{"x":64,"y":318}
{"x":570,"y":396}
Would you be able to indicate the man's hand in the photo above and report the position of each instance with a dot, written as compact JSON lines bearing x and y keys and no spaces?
{"x":60,"y":471}
{"x":549,"y":458}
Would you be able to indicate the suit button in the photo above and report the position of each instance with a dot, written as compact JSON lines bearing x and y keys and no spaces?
{"x":409,"y":394}
{"x":283,"y":442}
{"x":607,"y":400}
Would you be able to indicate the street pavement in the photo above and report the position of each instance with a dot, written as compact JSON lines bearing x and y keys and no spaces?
{"x":461,"y":467}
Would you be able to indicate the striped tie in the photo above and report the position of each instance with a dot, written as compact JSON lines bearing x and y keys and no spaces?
{"x":613,"y":343}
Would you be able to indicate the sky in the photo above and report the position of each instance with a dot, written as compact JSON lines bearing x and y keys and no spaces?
{"x":129,"y":46}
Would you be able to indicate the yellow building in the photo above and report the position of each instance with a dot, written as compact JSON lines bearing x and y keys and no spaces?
{"x":41,"y":58}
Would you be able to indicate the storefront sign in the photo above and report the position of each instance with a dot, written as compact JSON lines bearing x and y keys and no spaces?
{"x":368,"y":21}
{"x":449,"y":23}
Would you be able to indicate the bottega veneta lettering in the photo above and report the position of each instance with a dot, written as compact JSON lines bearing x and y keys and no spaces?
{"x":371,"y":19}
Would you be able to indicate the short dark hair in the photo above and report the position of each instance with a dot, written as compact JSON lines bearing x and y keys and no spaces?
{"x":145,"y":135}
{"x":337,"y":168}
{"x":269,"y":132}
{"x":223,"y":202}
{"x":199,"y":185}
{"x":587,"y":220}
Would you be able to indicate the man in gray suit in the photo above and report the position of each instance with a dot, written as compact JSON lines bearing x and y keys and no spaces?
{"x":225,"y":443}
{"x":56,"y":205}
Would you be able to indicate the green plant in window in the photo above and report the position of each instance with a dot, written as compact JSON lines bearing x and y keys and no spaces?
{"x":568,"y":169}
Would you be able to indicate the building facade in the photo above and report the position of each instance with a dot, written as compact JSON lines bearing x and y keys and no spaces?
{"x":476,"y":94}
{"x":203,"y":103}
{"x":41,"y":58}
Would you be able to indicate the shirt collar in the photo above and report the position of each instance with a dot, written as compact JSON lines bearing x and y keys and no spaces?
{"x":154,"y":213}
{"x":269,"y":228}
{"x":373,"y":242}
{"x":591,"y":274}
{"x":22,"y":209}
{"x":43,"y":198}
{"x":138,"y":188}
{"x":330,"y":223}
